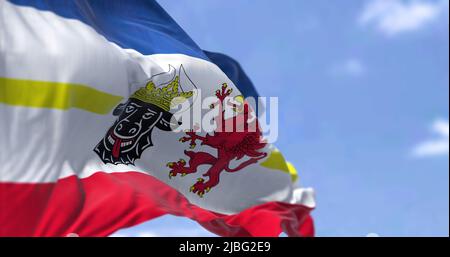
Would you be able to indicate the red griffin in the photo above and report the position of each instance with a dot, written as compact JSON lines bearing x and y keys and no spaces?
{"x":229,"y":145}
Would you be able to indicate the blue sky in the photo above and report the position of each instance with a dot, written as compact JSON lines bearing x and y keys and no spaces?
{"x":363,"y":90}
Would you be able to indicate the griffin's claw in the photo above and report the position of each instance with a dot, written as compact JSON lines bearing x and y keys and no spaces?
{"x":191,"y":189}
{"x":207,"y":189}
{"x":183,"y":174}
{"x":182,"y":161}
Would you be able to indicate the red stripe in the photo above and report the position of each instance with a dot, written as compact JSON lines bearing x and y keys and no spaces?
{"x":105,"y":202}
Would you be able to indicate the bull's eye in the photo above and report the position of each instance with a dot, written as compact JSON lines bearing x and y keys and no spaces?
{"x":129,"y":109}
{"x":147,"y":116}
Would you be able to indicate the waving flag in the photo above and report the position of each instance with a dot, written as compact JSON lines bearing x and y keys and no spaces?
{"x":87,"y":139}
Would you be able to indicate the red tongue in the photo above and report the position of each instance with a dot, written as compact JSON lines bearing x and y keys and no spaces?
{"x":116,"y":148}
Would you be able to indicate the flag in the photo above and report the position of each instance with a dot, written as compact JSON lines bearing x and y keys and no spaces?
{"x":88,"y":133}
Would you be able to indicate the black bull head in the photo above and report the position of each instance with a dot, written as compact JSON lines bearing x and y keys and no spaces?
{"x":131,"y":133}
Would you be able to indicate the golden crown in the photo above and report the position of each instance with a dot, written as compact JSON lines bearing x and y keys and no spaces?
{"x":165,"y":97}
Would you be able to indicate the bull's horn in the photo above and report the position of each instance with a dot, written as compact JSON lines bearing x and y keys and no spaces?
{"x":186,"y":83}
{"x":164,"y":78}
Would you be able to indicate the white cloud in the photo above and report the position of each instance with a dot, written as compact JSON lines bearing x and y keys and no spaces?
{"x":354,"y":67}
{"x":392,"y":17}
{"x":169,"y":232}
{"x":350,"y":67}
{"x":438,"y":146}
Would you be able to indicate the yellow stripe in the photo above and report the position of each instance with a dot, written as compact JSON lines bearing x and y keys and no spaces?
{"x":276,"y":161}
{"x":55,"y":95}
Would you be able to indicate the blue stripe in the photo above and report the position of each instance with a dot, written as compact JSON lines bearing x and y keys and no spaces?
{"x":142,"y":25}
